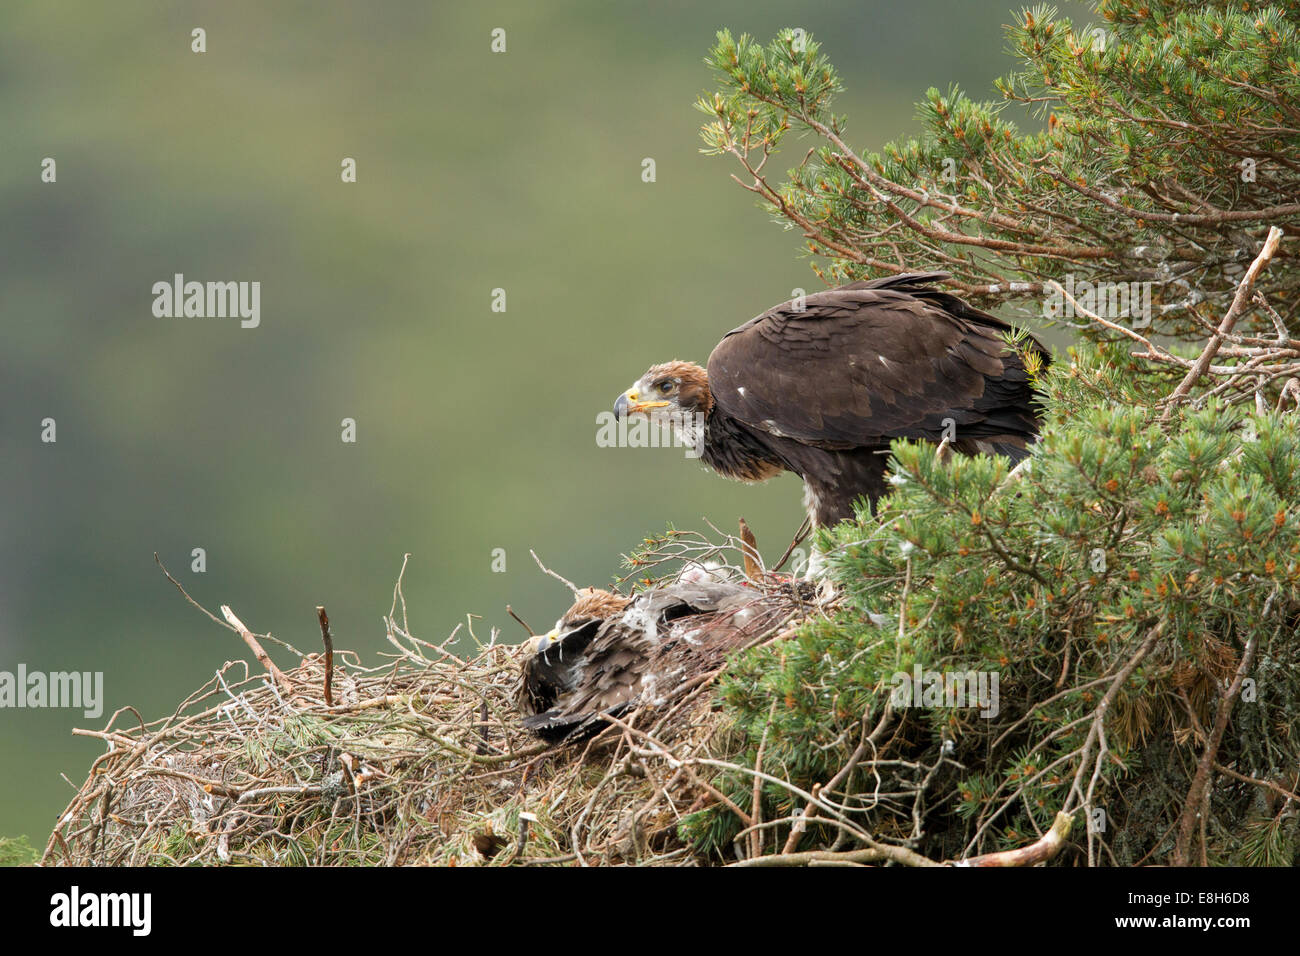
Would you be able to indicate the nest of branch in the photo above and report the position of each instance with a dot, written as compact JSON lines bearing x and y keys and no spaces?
{"x":422,"y":760}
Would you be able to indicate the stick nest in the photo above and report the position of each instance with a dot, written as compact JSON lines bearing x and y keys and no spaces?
{"x":419,"y":761}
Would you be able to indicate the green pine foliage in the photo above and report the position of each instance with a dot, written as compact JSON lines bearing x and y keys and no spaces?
{"x":1135,"y":587}
{"x":16,"y":851}
{"x":1169,"y":141}
{"x":1051,"y":580}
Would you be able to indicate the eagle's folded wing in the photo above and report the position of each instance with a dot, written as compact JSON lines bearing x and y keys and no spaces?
{"x":872,"y":361}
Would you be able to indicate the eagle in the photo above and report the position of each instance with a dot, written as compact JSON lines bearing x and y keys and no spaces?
{"x":820,"y":387}
{"x":608,"y":653}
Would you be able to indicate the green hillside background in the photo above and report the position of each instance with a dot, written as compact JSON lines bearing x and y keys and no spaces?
{"x":476,"y":430}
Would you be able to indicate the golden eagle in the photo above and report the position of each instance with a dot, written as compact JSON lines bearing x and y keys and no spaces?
{"x":821,"y":390}
{"x":609,"y":653}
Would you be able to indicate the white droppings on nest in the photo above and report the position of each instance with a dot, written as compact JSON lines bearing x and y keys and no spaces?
{"x":704,"y":572}
{"x":639,"y":618}
{"x":648,"y":684}
{"x":692,"y":636}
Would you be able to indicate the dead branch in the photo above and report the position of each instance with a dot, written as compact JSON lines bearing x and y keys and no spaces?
{"x":749,"y":552}
{"x":1047,"y":846}
{"x":519,"y":620}
{"x":1245,"y":290}
{"x":255,"y":646}
{"x":563,"y":580}
{"x":328,"y":638}
{"x":1198,"y":795}
{"x":879,"y":853}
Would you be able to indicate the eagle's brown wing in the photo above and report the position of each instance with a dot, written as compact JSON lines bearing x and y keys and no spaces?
{"x":872,"y":361}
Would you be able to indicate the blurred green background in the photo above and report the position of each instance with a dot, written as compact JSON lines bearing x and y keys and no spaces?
{"x":476,"y":430}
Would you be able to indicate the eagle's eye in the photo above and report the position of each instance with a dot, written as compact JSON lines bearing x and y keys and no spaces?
{"x":665,"y":387}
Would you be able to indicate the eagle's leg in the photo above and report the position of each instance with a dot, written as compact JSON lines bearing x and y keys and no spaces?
{"x":829,"y":499}
{"x":816,"y":569}
{"x":818,"y":575}
{"x":822,"y":512}
{"x":812,"y":502}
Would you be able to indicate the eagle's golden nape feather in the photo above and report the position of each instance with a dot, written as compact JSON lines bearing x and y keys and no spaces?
{"x":595,"y":603}
{"x":820,"y":387}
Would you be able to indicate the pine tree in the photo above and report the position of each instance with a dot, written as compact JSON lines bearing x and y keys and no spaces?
{"x":1136,"y":587}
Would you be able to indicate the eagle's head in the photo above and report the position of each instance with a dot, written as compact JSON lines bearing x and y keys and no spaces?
{"x":670,"y":392}
{"x":592,"y":606}
{"x":554,"y":662}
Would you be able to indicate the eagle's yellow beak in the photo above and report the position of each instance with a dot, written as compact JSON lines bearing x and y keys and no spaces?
{"x":627,"y":404}
{"x":540,"y":642}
